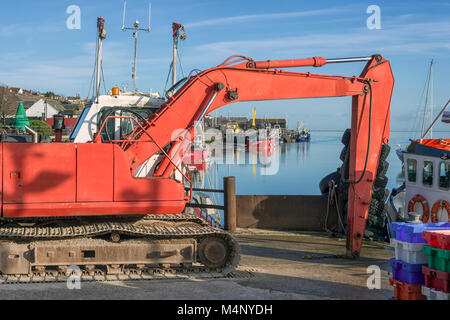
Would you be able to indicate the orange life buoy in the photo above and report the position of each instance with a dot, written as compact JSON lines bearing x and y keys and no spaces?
{"x":420,"y":199}
{"x":438,"y":205}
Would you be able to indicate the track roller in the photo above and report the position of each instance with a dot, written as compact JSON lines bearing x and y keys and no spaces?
{"x":213,"y":252}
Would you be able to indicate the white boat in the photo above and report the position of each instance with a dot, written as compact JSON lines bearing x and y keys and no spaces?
{"x":135,"y":106}
{"x":123,"y":104}
{"x":446,"y":117}
{"x":303,"y":134}
{"x":425,"y":194}
{"x":426,"y":191}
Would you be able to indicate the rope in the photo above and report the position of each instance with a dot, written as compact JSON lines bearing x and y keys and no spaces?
{"x":332,"y":197}
{"x":168,"y":76}
{"x":91,"y":84}
{"x":181,"y":64}
{"x":171,"y":70}
{"x":103,"y":78}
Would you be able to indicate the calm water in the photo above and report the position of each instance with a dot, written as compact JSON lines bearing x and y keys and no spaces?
{"x":300,"y":167}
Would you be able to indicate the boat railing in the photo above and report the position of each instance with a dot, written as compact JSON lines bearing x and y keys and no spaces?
{"x":444,"y":142}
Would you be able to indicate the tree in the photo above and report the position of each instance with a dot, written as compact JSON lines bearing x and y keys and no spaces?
{"x":41,"y":127}
{"x":49,"y":94}
{"x":8,"y":103}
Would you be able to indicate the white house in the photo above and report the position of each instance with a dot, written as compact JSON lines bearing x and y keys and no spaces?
{"x":44,"y":109}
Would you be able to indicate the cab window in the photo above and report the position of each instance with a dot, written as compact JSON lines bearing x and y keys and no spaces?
{"x":444,"y":175}
{"x":412,"y":170}
{"x":127,"y":125}
{"x":79,"y":123}
{"x":427,"y":173}
{"x":109,"y":127}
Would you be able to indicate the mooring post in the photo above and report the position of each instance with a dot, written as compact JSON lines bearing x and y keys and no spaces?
{"x":229,"y":185}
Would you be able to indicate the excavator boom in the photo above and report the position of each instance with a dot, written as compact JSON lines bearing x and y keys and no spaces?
{"x":243,"y":82}
{"x":251,"y":80}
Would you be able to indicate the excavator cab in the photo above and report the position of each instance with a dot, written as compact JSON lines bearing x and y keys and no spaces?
{"x":116,"y":128}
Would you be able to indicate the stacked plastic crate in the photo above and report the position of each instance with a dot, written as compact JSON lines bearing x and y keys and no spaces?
{"x":407,"y":277}
{"x":437,"y":272}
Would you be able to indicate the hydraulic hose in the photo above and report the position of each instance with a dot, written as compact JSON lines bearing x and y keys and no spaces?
{"x":368,"y":142}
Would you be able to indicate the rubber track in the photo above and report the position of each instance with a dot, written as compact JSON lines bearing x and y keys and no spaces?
{"x":132,"y":275}
{"x":180,"y":226}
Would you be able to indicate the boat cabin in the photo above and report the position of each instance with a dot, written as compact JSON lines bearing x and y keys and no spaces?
{"x":125,"y":104}
{"x":427,"y":179}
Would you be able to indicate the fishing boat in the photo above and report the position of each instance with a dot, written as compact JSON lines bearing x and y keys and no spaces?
{"x":118,"y":112}
{"x":446,"y":117}
{"x":421,"y":118}
{"x":425,"y":194}
{"x":261,"y":145}
{"x":198,"y":157}
{"x":277,"y":132}
{"x":426,"y":191}
{"x":263,"y":141}
{"x":303,"y":134}
{"x":230,"y":127}
{"x":115,"y":103}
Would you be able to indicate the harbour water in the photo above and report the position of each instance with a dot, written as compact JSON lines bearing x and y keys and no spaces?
{"x":295,"y":168}
{"x":298,"y":168}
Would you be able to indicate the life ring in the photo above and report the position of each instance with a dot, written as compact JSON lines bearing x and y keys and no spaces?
{"x":426,"y":209}
{"x":438,"y":205}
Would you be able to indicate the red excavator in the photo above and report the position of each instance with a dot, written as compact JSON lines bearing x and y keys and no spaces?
{"x":69,"y":204}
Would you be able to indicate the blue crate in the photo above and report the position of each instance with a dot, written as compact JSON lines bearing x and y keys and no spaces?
{"x":406,"y":272}
{"x":412,"y":232}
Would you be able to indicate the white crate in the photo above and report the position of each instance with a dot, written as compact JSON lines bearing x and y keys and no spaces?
{"x":433,"y":294}
{"x":409,"y":252}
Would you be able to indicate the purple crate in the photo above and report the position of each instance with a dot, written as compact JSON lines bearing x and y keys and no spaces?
{"x":406,"y":272}
{"x":412,"y":232}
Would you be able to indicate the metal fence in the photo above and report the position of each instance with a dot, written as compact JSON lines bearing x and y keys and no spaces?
{"x":229,"y":206}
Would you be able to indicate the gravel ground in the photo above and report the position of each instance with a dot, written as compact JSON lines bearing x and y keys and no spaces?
{"x":277,"y":265}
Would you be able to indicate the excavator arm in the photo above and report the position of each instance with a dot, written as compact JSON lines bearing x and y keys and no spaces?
{"x":242,"y":79}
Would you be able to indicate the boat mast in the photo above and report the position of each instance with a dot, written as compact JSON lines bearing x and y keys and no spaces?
{"x":431,"y":97}
{"x":435,"y":119}
{"x":101,"y":35}
{"x":135,"y":36}
{"x":428,"y":94}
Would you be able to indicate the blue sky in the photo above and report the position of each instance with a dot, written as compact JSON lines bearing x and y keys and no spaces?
{"x":38,"y":51}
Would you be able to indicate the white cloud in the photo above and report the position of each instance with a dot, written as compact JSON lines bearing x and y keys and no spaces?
{"x":68,"y":73}
{"x":255,"y":17}
{"x":422,"y":38}
{"x":9,"y":30}
{"x":27,"y":29}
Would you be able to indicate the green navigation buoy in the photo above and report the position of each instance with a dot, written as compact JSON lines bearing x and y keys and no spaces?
{"x":21,"y":119}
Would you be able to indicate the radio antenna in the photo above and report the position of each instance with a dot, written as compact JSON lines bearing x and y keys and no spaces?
{"x":124,"y":12}
{"x":135,"y":28}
